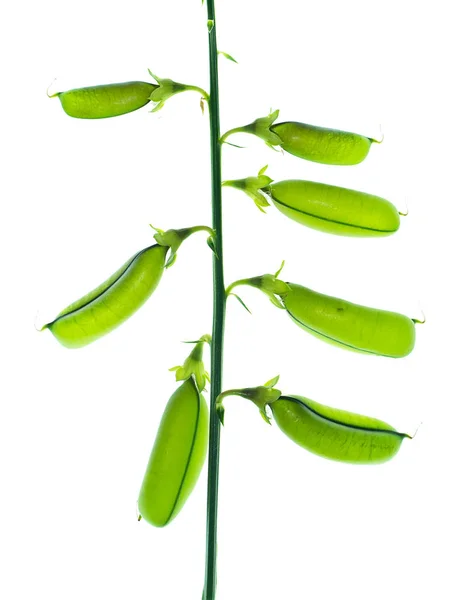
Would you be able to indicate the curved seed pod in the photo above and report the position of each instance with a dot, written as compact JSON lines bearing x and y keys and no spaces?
{"x":177,"y":457}
{"x":322,"y":145}
{"x":111,"y":303}
{"x":318,"y":144}
{"x":102,"y":101}
{"x":333,"y":209}
{"x":328,"y":432}
{"x":349,"y":325}
{"x":336,"y":434}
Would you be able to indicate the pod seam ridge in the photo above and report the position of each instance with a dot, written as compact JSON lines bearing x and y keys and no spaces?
{"x":303,"y":212}
{"x":350,"y":426}
{"x":328,"y":337}
{"x":188,"y":458}
{"x":135,"y":257}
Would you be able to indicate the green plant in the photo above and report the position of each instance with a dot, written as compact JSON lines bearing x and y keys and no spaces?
{"x":165,"y":89}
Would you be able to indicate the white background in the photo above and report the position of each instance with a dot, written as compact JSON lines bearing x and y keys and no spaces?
{"x":76,"y":426}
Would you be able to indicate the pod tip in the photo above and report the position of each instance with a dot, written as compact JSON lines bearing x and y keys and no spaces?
{"x":411,"y":437}
{"x":421,"y":321}
{"x":374,"y":141}
{"x":40,"y":327}
{"x":48,"y":89}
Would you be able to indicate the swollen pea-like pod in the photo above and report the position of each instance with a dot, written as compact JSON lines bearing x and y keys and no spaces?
{"x":103,"y":101}
{"x":323,"y":207}
{"x":115,"y":99}
{"x":321,"y":144}
{"x":177,"y":457}
{"x":336,"y":434}
{"x":116,"y":299}
{"x":348,"y":325}
{"x":334,"y":209}
{"x":336,"y":321}
{"x":328,"y":432}
{"x":111,"y":303}
{"x":310,"y":142}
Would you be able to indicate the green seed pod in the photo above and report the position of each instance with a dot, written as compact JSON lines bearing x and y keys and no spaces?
{"x":110,"y":304}
{"x":349,"y":325}
{"x":102,"y":101}
{"x":177,"y":457}
{"x":322,"y":145}
{"x":336,"y":434}
{"x":323,"y":207}
{"x":328,"y":432}
{"x":333,"y":209}
{"x":318,"y":144}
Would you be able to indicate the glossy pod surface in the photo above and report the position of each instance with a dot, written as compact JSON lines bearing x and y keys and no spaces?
{"x":322,"y":145}
{"x":177,"y":457}
{"x":103,"y":101}
{"x":111,"y":303}
{"x":349,"y":325}
{"x":333,"y":209}
{"x":336,"y":434}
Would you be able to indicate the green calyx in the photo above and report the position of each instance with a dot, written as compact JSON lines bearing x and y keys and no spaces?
{"x":173,"y":238}
{"x":261,"y":396}
{"x":268,"y":284}
{"x":252,"y":186}
{"x":168,"y":88}
{"x":261,"y":128}
{"x":193,"y":365}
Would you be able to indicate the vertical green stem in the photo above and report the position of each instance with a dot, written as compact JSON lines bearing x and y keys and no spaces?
{"x":209,"y":590}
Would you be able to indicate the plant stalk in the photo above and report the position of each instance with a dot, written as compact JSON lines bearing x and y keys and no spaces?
{"x":209,"y":590}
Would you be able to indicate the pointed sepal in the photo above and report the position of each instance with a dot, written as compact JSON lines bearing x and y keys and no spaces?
{"x":269,"y":384}
{"x":262,"y":128}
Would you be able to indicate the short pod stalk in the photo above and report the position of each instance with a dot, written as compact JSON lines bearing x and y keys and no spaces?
{"x":261,"y":396}
{"x":173,"y":238}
